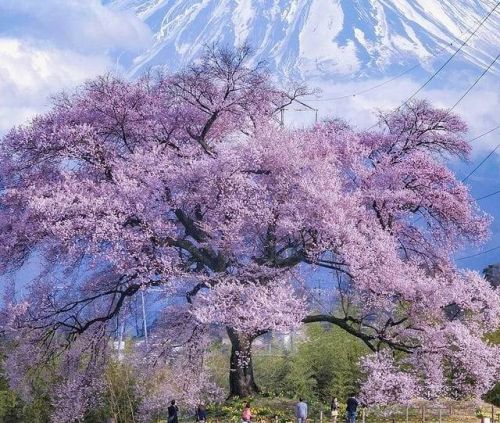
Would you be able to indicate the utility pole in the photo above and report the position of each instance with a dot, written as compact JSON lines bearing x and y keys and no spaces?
{"x":144,"y":321}
{"x":120,"y":340}
{"x":306,"y":108}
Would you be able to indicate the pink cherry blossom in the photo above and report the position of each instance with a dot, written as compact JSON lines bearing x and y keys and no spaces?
{"x":185,"y":182}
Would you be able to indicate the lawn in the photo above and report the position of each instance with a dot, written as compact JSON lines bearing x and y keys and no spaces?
{"x":281,"y":410}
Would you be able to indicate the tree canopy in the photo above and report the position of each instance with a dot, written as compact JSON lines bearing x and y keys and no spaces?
{"x":185,"y":182}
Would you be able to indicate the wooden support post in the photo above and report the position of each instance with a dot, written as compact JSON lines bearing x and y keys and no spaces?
{"x":320,"y":416}
{"x":440,"y":417}
{"x":407,"y":414}
{"x":363,"y":415}
{"x":423,"y":413}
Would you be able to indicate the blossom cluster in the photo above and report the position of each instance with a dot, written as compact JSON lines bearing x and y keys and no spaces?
{"x":185,"y":182}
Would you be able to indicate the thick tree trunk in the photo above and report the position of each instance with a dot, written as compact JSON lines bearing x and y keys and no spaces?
{"x":241,"y":380}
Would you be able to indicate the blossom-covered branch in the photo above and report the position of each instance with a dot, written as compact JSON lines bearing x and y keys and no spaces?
{"x":184,"y":182}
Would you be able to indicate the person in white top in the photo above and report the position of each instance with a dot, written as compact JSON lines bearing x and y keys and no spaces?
{"x":334,"y":409}
{"x":301,"y":411}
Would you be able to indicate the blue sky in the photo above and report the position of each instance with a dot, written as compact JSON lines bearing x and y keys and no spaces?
{"x":51,"y":45}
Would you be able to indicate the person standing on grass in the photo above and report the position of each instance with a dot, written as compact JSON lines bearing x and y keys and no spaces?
{"x":173,"y":411}
{"x":246,"y":415}
{"x":334,"y":409}
{"x":301,"y":411}
{"x":352,"y":407}
{"x":201,"y":414}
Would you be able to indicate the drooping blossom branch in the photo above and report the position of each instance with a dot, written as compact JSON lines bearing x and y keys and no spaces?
{"x":185,"y":182}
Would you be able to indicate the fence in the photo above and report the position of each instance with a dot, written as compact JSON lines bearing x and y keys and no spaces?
{"x":417,"y":413}
{"x":433,"y":412}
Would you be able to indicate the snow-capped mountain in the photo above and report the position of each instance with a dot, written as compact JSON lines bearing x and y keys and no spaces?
{"x":310,"y":38}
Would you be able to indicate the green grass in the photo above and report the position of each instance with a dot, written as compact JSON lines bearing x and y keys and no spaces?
{"x":266,"y":409}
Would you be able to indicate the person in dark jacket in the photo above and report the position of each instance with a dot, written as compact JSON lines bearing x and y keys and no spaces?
{"x":173,"y":410}
{"x":352,"y":407}
{"x":201,"y":414}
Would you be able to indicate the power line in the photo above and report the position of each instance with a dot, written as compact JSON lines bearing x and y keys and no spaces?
{"x":485,"y":133}
{"x":485,"y":71}
{"x":381,"y":84}
{"x":453,"y":55}
{"x":484,"y":196}
{"x":490,"y":249}
{"x":399,"y":75}
{"x":491,"y":194}
{"x":481,"y":163}
{"x":480,"y":253}
{"x":464,"y":43}
{"x":485,"y":159}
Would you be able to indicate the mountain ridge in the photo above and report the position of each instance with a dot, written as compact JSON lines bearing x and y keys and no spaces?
{"x":318,"y":38}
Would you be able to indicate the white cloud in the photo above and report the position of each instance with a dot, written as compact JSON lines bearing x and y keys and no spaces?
{"x":49,"y":46}
{"x":82,"y":25}
{"x":30,"y":74}
{"x":479,"y":108}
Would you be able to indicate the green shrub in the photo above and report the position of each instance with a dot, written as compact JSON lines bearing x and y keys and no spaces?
{"x":493,"y":396}
{"x":324,"y":364}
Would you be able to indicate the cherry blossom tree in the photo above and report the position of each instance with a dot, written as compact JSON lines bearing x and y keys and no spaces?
{"x":185,"y":182}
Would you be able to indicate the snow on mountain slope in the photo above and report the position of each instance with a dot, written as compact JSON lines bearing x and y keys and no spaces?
{"x":310,"y":38}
